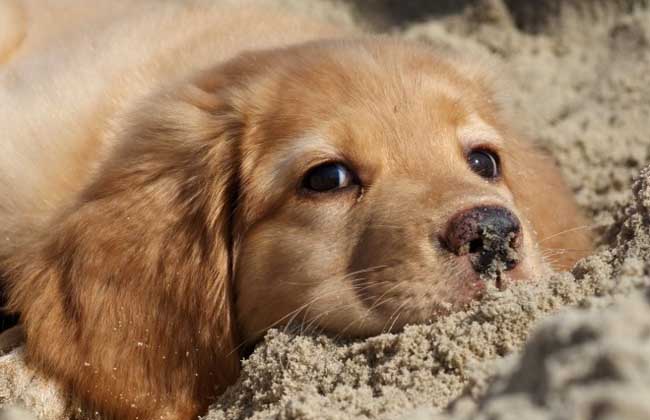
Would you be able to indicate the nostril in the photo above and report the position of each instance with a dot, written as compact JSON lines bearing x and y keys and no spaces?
{"x":476,"y":245}
{"x":514,"y":240}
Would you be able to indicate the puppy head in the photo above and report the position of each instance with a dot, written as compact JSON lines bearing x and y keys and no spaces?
{"x":380,"y":185}
{"x":351,"y":186}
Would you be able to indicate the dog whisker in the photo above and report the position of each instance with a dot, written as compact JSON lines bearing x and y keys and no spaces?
{"x":378,"y":301}
{"x":353,"y":273}
{"x":335,"y":290}
{"x":363,"y":300}
{"x":394,"y":316}
{"x":571,"y":230}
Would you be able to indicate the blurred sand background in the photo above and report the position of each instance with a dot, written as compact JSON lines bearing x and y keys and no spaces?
{"x":576,"y":75}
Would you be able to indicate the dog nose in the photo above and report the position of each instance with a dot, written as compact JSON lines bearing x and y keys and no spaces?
{"x":489,"y":235}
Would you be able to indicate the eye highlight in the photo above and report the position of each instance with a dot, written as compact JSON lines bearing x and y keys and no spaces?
{"x":484,"y":163}
{"x":328,"y":177}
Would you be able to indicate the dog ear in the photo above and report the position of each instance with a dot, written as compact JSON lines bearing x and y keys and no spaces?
{"x":562,"y":230}
{"x":127,"y":298}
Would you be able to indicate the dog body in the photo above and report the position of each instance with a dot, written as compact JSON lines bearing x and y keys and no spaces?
{"x":180,"y":177}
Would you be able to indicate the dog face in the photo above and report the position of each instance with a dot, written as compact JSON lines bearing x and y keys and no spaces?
{"x":350,"y":186}
{"x":371,"y":188}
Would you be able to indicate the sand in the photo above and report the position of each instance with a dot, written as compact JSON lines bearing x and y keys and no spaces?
{"x":570,"y":345}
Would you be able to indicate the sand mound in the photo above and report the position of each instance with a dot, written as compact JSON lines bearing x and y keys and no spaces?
{"x":572,"y":345}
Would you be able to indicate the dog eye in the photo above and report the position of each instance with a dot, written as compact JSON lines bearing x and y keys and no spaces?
{"x":328,"y":177}
{"x":484,"y":163}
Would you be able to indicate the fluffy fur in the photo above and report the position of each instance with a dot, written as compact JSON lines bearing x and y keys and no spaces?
{"x":152,"y":209}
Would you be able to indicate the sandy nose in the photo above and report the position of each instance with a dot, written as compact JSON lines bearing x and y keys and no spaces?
{"x":489,"y":235}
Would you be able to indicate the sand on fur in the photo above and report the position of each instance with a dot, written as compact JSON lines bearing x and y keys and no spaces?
{"x":568,"y":345}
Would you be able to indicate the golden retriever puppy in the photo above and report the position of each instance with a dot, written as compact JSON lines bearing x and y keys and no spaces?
{"x":178,"y":177}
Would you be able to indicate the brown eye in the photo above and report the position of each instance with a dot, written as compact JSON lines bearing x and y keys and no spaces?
{"x":484,"y":163}
{"x":328,"y":177}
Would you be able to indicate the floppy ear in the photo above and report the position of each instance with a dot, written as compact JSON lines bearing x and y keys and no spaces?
{"x":127,"y":298}
{"x":562,"y":230}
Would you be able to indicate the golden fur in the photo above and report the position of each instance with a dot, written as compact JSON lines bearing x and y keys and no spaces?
{"x":151,"y":204}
